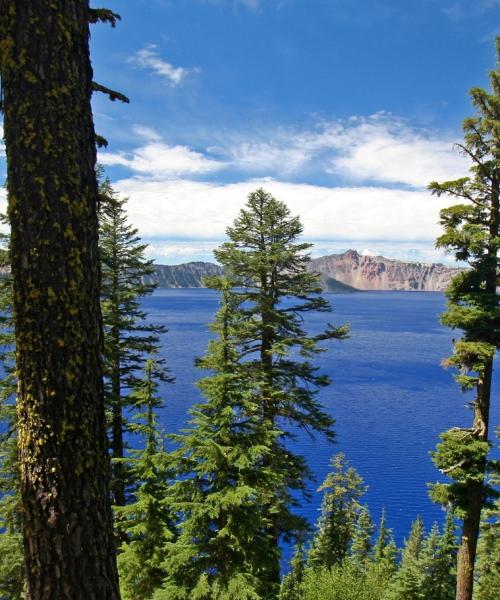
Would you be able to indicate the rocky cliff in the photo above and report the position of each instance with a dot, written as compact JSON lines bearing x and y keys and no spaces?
{"x":379,"y":273}
{"x":188,"y":275}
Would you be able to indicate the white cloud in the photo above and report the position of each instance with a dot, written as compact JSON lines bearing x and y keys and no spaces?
{"x":378,"y":149}
{"x":159,"y":159}
{"x":182,"y":209}
{"x":386,"y":149}
{"x":174,"y":252}
{"x":149,"y":58}
{"x":146,"y":133}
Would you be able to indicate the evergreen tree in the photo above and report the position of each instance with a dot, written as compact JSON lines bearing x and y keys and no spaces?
{"x":128,"y":336}
{"x":471,"y":231}
{"x":385,"y":548}
{"x":340,"y":510}
{"x":488,"y":564}
{"x":52,"y":193}
{"x":406,"y":584}
{"x":437,"y":564}
{"x":224,"y":479}
{"x":11,"y":550}
{"x":146,"y":522}
{"x":361,"y":546}
{"x":269,"y":264}
{"x":291,"y":583}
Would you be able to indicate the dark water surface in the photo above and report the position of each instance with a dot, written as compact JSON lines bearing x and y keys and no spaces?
{"x":390,"y":397}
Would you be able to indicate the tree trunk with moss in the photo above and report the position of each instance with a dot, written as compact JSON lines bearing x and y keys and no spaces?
{"x":50,"y":141}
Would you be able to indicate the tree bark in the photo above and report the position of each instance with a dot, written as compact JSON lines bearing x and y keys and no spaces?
{"x":52,"y":189}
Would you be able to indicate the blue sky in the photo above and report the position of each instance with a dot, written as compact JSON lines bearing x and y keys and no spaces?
{"x":344,"y":110}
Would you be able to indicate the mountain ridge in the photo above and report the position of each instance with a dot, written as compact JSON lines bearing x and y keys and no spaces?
{"x":346,"y":272}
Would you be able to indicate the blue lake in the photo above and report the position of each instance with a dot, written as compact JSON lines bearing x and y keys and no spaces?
{"x":390,"y":397}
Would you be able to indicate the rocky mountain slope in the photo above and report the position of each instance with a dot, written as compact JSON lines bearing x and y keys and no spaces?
{"x":380,"y":273}
{"x":340,"y":273}
{"x":187,"y":275}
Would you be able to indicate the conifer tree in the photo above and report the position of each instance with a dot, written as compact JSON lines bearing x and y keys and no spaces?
{"x":146,"y":522}
{"x":488,"y":564}
{"x":437,"y":564}
{"x":52,"y":194}
{"x":471,"y":231}
{"x":11,"y":549}
{"x":342,"y":490}
{"x":385,"y":547}
{"x":128,"y":337}
{"x":291,"y":583}
{"x":224,"y":479}
{"x":406,"y":584}
{"x":361,"y":546}
{"x":268,"y":262}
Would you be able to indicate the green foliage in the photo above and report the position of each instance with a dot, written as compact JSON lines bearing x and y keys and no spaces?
{"x":463,"y":456}
{"x":223,"y":478}
{"x":361,"y":547}
{"x":488,"y":562}
{"x":340,"y":513}
{"x":128,"y":336}
{"x":291,"y":583}
{"x":146,"y":523}
{"x":385,"y":550}
{"x":427,"y":567}
{"x":11,"y":549}
{"x":268,"y":263}
{"x":344,"y":582}
{"x":407,"y":581}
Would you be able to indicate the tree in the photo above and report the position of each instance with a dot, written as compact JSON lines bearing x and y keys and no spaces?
{"x":385,"y":548}
{"x":147,"y":522}
{"x":487,"y":571}
{"x":128,"y":337}
{"x":471,"y":231}
{"x":292,"y":581}
{"x":437,"y":563}
{"x":268,"y":263}
{"x":11,"y":547}
{"x":52,"y":198}
{"x":342,"y":490}
{"x":223,"y":551}
{"x":406,"y":584}
{"x":361,"y":546}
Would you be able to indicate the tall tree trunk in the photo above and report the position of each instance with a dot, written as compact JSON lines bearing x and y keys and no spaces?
{"x":475,"y":494}
{"x":49,"y":134}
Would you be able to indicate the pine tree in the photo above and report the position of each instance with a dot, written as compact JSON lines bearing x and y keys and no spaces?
{"x":291,"y":583}
{"x":436,"y":564}
{"x":52,"y":193}
{"x":224,"y":481}
{"x":471,"y":231}
{"x":146,"y":522}
{"x":488,"y":563}
{"x":385,"y":547}
{"x":406,"y":582}
{"x":11,"y":549}
{"x":361,"y":546}
{"x":269,"y":264}
{"x":342,"y":490}
{"x":128,"y":336}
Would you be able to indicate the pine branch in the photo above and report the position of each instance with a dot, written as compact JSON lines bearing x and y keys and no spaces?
{"x":112,"y":94}
{"x":103,"y":15}
{"x":100,"y":141}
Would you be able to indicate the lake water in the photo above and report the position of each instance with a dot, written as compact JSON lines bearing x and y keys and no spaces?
{"x":390,"y":397}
